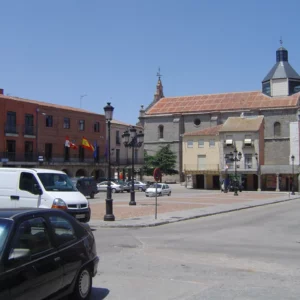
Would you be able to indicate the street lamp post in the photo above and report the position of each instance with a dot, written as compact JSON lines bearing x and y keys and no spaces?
{"x":235,"y":157}
{"x":109,"y":216}
{"x":293,"y":189}
{"x":133,"y":140}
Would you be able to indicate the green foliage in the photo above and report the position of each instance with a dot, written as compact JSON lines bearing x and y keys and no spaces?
{"x":164,"y":159}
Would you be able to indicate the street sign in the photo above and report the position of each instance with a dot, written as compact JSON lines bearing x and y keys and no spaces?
{"x":4,"y":160}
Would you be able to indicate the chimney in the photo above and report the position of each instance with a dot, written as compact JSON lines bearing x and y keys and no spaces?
{"x":1,"y":91}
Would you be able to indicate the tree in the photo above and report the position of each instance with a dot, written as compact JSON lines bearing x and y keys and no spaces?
{"x":164,"y":159}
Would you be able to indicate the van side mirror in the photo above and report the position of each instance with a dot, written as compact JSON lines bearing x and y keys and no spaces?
{"x":37,"y":189}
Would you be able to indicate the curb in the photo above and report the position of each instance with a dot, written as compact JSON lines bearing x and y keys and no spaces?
{"x":160,"y":223}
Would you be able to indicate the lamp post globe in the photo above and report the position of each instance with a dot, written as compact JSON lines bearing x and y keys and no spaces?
{"x":109,"y":216}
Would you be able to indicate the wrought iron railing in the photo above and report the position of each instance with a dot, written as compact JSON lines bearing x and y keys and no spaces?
{"x":59,"y":158}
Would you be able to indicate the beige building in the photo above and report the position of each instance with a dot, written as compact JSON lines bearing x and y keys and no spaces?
{"x":201,"y":158}
{"x":244,"y":135}
{"x":211,"y":155}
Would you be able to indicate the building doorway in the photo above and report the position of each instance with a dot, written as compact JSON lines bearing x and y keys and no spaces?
{"x":200,"y":181}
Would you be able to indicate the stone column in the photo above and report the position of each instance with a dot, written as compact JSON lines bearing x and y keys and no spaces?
{"x":277,"y":182}
{"x":258,"y":182}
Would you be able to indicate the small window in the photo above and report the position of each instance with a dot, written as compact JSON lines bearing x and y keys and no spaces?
{"x":212,"y":143}
{"x":49,"y":121}
{"x":67,"y":123}
{"x":160,"y":131}
{"x":96,"y":127}
{"x":201,"y":144}
{"x":63,"y":230}
{"x":277,"y":129}
{"x":190,"y":144}
{"x":197,"y":122}
{"x":248,"y":161}
{"x":81,"y":124}
{"x":118,"y":139}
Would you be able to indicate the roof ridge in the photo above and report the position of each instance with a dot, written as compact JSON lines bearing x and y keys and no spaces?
{"x":258,"y":91}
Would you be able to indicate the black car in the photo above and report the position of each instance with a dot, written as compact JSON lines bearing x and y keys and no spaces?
{"x":86,"y":185}
{"x":45,"y":253}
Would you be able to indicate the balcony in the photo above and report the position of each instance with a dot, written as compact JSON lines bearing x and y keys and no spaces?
{"x":10,"y":129}
{"x":29,"y":130}
{"x":17,"y":157}
{"x":202,"y":168}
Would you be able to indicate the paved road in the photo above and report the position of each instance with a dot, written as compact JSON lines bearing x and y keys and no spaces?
{"x":249,"y":254}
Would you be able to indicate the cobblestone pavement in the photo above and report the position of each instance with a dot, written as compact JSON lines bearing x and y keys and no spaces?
{"x":182,"y":204}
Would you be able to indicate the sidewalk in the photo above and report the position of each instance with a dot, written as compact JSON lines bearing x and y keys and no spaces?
{"x":182,"y":207}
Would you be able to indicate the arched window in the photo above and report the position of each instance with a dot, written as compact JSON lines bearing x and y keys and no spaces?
{"x":160,"y":131}
{"x":277,"y":129}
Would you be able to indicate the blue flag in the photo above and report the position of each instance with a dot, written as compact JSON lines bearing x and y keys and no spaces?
{"x":95,"y":149}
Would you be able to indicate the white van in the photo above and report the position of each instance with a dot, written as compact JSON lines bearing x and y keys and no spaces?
{"x":21,"y":187}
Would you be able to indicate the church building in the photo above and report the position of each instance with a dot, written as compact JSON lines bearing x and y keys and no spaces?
{"x":168,"y":119}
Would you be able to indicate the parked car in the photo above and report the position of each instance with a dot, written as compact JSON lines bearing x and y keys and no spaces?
{"x":45,"y":188}
{"x":161,"y":189}
{"x":115,"y":188}
{"x":140,"y":186}
{"x":86,"y":185}
{"x":127,"y":187}
{"x":45,"y":253}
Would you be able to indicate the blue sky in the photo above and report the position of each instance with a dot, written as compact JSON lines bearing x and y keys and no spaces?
{"x":58,"y":50}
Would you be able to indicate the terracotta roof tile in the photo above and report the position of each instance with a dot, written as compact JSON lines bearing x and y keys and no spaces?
{"x":47,"y":104}
{"x":221,"y":102}
{"x":207,"y":131}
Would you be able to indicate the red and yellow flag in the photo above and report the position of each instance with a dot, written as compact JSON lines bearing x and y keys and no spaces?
{"x":86,"y":144}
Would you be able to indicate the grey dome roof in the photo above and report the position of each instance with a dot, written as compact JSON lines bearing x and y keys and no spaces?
{"x":282,"y":69}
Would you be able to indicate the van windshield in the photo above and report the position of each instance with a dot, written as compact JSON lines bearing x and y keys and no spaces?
{"x":56,"y":182}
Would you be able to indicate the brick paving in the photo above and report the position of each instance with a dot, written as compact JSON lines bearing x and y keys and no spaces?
{"x":176,"y":203}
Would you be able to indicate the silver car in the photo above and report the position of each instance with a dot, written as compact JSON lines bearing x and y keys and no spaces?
{"x":161,"y":189}
{"x":115,"y":187}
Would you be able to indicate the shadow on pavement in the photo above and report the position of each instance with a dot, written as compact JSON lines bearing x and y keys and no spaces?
{"x":99,"y":293}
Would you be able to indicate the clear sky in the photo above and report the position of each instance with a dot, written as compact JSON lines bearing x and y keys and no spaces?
{"x":58,"y":50}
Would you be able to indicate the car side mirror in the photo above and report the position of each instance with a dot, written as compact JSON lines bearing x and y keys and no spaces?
{"x":19,"y":254}
{"x":37,"y":189}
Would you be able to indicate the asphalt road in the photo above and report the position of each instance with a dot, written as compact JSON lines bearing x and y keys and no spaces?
{"x":250,"y":254}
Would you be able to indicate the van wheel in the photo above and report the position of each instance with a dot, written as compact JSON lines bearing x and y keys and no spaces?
{"x":92,"y":195}
{"x":83,"y":286}
{"x":140,"y":189}
{"x":169,"y":194}
{"x":113,"y":190}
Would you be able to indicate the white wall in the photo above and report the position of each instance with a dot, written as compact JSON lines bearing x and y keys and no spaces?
{"x":280,"y":87}
{"x":294,"y":142}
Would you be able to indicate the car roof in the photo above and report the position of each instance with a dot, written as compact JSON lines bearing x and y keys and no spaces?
{"x":13,"y":213}
{"x":37,"y":170}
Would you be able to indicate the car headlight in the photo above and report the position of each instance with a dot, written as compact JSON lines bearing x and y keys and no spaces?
{"x":59,"y":203}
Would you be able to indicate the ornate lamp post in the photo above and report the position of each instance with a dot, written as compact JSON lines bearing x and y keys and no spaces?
{"x":293,"y":187}
{"x":109,"y":216}
{"x":133,"y":140}
{"x":235,"y":157}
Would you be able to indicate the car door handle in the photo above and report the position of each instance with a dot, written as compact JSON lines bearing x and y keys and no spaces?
{"x":13,"y":197}
{"x":57,"y":259}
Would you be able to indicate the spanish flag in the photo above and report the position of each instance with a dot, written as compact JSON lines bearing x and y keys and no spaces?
{"x":86,"y":144}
